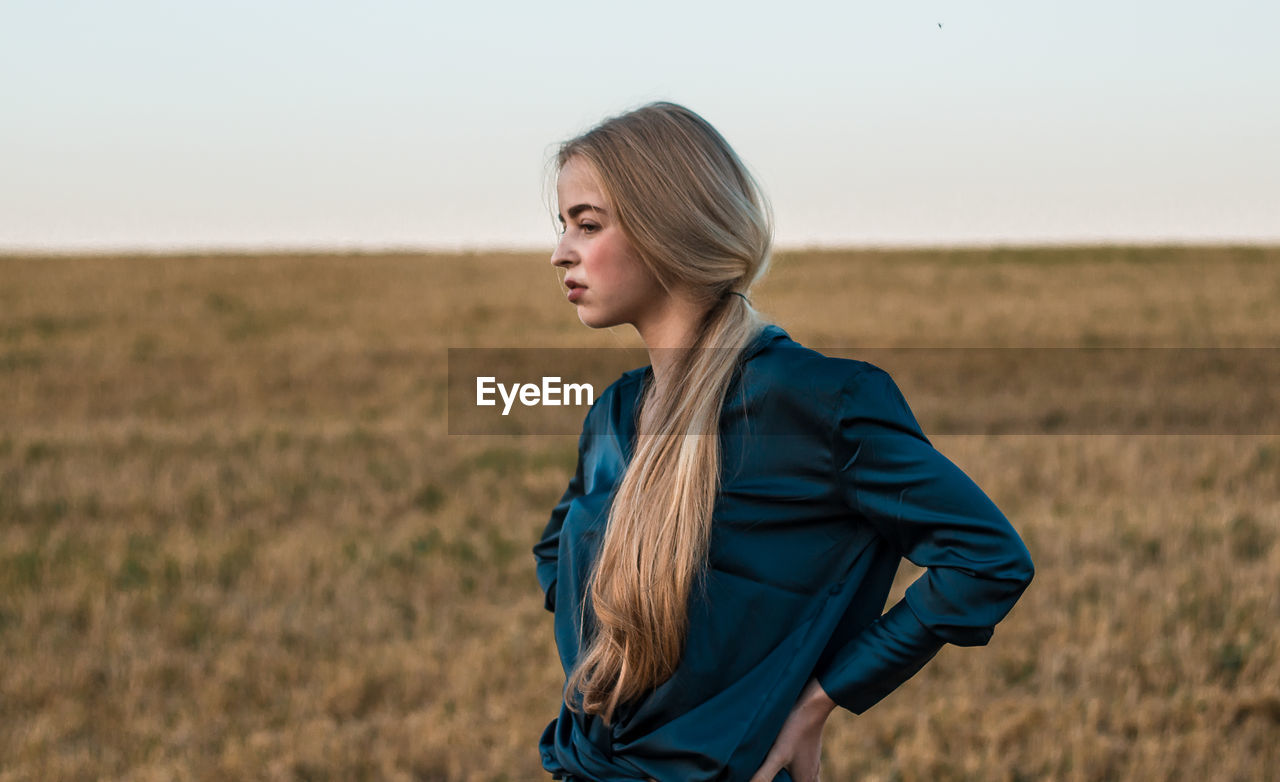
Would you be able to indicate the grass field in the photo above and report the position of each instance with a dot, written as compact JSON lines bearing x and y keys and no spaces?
{"x":236,"y":541}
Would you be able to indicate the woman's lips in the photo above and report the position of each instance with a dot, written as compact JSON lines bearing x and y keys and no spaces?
{"x":576,"y":293}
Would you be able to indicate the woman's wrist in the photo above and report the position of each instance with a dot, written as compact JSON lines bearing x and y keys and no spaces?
{"x":816,"y":699}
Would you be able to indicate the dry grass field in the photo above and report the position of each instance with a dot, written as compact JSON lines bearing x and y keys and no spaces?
{"x":237,"y":542}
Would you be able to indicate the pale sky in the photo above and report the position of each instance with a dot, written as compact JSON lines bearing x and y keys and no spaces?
{"x":159,"y":125}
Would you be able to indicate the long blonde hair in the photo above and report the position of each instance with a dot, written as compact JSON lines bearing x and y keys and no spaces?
{"x":697,"y":218}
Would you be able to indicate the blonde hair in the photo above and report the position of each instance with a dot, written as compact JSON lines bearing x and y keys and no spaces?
{"x":696,"y":218}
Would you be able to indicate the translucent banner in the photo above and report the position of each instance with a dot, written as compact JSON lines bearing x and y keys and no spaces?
{"x":955,"y":390}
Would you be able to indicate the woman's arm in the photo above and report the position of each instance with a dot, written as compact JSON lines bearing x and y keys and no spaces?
{"x":547,"y":550}
{"x":932,"y":513}
{"x":798,"y":747}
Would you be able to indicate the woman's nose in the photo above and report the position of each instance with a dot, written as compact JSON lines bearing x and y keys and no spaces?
{"x":561,"y":256}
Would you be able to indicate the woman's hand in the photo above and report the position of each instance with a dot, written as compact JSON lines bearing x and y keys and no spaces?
{"x":798,"y":747}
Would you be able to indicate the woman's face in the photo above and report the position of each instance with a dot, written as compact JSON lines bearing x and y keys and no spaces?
{"x":605,"y":278}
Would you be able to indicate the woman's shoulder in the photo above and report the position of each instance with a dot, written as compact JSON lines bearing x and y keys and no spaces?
{"x":612,"y":403}
{"x":784,"y":364}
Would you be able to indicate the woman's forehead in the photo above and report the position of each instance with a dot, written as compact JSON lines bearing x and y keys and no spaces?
{"x":578,"y":180}
{"x":580,"y":172}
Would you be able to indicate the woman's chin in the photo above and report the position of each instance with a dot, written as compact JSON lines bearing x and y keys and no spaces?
{"x":595,"y":321}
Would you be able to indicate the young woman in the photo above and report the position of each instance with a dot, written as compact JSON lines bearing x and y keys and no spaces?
{"x":718,"y":563}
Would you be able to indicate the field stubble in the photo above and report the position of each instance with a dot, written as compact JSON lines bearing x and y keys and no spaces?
{"x":237,"y":542}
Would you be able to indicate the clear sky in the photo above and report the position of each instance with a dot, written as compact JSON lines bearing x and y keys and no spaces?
{"x":371,"y":124}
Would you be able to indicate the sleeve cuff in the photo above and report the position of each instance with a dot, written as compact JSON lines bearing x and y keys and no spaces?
{"x":883,"y":656}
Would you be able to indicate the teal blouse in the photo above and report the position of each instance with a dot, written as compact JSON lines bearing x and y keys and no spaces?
{"x":828,"y":481}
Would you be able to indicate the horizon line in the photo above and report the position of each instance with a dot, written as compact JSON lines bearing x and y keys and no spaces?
{"x":283,"y":248}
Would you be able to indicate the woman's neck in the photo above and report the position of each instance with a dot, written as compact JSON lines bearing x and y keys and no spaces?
{"x":668,"y":332}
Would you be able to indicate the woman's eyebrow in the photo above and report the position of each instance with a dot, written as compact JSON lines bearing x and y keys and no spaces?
{"x":574,"y":211}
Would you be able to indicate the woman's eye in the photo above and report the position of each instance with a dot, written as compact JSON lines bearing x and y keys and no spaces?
{"x":588,"y":227}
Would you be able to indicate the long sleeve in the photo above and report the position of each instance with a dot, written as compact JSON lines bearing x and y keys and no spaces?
{"x":546,"y":551}
{"x":929,"y":511}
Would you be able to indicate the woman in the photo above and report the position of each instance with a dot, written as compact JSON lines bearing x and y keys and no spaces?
{"x":718,"y":563}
